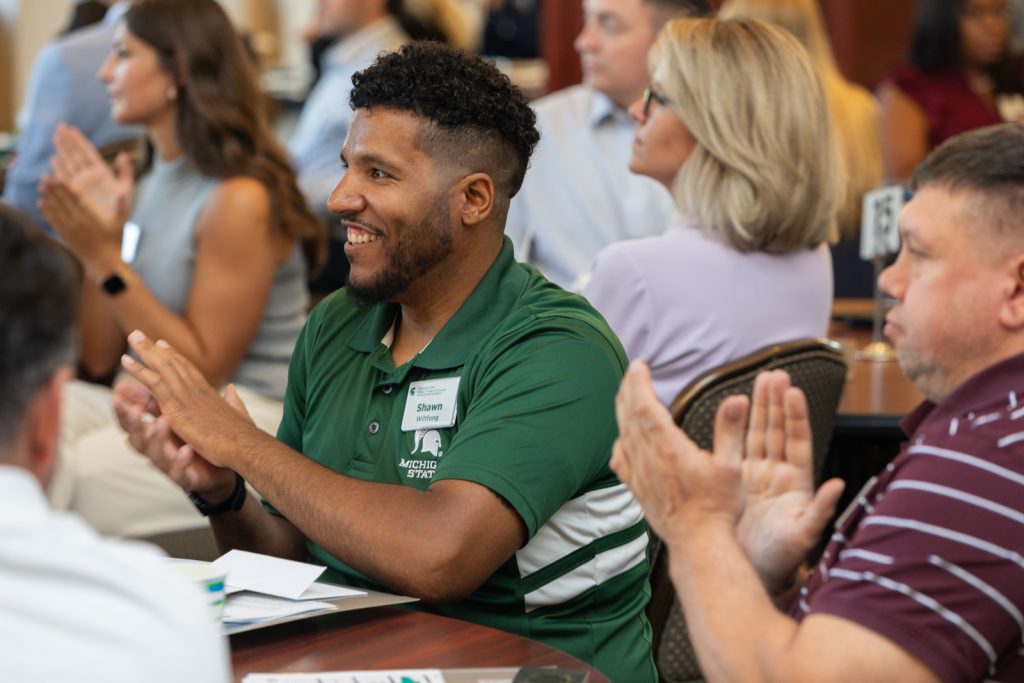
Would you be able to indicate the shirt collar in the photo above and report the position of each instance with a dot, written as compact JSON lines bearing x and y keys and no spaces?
{"x":603,"y":110}
{"x":115,"y":12}
{"x":21,"y":496}
{"x":480,"y":314}
{"x":1000,"y":379}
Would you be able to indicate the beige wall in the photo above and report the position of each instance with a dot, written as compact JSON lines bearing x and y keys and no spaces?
{"x":26,"y":26}
{"x":275,"y":22}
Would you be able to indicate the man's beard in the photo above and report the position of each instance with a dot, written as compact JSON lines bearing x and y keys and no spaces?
{"x":422,"y":247}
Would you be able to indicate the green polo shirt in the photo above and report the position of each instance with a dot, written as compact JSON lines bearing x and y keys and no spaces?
{"x":536,"y":370}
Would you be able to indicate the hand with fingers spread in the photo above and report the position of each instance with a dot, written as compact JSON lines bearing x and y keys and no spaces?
{"x":759,"y":480}
{"x":191,"y":418}
{"x":85,"y":201}
{"x":677,"y":483}
{"x":106,"y":192}
{"x":95,"y":244}
{"x":783,"y":516}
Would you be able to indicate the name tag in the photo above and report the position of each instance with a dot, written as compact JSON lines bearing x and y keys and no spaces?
{"x":430,"y":404}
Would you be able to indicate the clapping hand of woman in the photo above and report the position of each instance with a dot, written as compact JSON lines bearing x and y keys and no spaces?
{"x":85,"y":200}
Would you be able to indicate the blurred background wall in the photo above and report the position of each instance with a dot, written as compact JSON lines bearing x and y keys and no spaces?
{"x":869,"y":36}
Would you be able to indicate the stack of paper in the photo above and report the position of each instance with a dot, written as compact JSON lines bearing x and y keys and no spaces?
{"x":292,"y":585}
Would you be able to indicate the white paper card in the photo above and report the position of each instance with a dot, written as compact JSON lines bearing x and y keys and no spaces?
{"x":329,"y":591}
{"x":245,"y":608}
{"x":430,"y":404}
{"x":397,"y":676}
{"x":879,"y":222}
{"x":266,"y":574}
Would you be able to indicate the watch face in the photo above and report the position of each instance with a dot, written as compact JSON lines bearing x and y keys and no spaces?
{"x":113,"y":284}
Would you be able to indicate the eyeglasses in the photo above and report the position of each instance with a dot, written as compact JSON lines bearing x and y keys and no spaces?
{"x":651,"y":94}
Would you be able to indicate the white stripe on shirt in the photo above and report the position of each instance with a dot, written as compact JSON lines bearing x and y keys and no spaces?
{"x":926,"y":601}
{"x":957,"y":494}
{"x":981,"y":585}
{"x":967,"y":459}
{"x":949,"y":534}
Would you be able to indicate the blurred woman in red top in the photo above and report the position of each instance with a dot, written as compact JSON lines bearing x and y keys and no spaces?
{"x":961,"y":76}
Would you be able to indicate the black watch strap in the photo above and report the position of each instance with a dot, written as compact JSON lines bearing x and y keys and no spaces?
{"x":232,"y":504}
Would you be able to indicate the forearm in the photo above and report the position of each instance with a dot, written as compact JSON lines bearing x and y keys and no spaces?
{"x":103,"y":340}
{"x":736,"y":630}
{"x":137,"y":308}
{"x":254,"y":529}
{"x":373,"y":527}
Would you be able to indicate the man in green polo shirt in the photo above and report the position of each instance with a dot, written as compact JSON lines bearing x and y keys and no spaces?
{"x":449,"y":419}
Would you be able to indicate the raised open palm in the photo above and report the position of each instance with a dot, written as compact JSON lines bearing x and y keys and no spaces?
{"x":106,"y":192}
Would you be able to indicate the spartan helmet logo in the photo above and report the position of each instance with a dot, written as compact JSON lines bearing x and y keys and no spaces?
{"x":427,"y":441}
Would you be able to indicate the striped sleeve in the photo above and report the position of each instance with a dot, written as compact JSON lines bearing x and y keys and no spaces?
{"x":937,"y":562}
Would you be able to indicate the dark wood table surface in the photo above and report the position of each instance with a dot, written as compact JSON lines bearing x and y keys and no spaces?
{"x":388,"y":638}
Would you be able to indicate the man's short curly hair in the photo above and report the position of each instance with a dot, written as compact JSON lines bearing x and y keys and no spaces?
{"x":481,"y":121}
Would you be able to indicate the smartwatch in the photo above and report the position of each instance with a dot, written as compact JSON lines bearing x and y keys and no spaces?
{"x":113,"y":284}
{"x":232,"y":504}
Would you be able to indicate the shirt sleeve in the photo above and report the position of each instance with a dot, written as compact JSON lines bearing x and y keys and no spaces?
{"x":47,"y":103}
{"x":540,"y":423}
{"x":936,"y":566}
{"x":619,"y":291}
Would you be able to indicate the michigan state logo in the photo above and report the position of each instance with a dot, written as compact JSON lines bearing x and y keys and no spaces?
{"x":427,"y":441}
{"x":421,"y":462}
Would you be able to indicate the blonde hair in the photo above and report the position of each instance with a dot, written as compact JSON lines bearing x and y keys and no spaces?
{"x":855,"y":113}
{"x":449,"y":17}
{"x":764,"y":174}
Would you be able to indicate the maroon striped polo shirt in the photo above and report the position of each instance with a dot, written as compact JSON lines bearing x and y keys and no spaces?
{"x":931,"y":555}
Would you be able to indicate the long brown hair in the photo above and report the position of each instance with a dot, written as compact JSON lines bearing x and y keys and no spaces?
{"x":221,"y":123}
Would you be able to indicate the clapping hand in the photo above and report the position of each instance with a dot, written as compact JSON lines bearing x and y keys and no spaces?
{"x":172,"y":409}
{"x":783,"y":516}
{"x":105,"y":191}
{"x":758,"y":481}
{"x":677,"y":484}
{"x":86,"y":201}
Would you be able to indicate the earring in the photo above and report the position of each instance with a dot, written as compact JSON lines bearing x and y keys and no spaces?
{"x":172,"y":93}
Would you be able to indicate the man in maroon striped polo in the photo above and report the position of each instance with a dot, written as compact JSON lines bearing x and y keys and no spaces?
{"x":924,"y":577}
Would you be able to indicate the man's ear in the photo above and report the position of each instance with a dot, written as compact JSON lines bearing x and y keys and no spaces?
{"x":475,"y":198}
{"x":42,"y":426}
{"x":1011,"y":314}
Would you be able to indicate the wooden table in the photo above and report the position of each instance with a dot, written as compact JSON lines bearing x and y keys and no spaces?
{"x":388,"y":638}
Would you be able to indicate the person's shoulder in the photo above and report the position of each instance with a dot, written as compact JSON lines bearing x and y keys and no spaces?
{"x":680,"y":243}
{"x":335,"y":317}
{"x":570,"y":105}
{"x":242,"y":192}
{"x":89,"y":39}
{"x":131,"y":576}
{"x":545,"y":308}
{"x":918,"y":83}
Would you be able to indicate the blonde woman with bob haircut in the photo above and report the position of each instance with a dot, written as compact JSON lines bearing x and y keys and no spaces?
{"x":856,"y":119}
{"x":735,"y":124}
